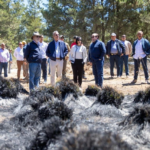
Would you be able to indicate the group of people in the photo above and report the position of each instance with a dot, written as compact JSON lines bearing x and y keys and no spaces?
{"x":35,"y":56}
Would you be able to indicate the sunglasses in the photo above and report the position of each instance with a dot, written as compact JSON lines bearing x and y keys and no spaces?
{"x":20,"y":44}
{"x":38,"y":36}
{"x":93,"y":37}
{"x":56,"y":34}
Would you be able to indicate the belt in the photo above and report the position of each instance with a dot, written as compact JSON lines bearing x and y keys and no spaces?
{"x":58,"y":58}
{"x":114,"y":53}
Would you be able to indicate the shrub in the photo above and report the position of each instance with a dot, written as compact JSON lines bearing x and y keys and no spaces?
{"x":143,"y":97}
{"x":93,"y":140}
{"x":109,"y":96}
{"x":66,"y":86}
{"x":92,"y":90}
{"x":10,"y":88}
{"x":57,"y":108}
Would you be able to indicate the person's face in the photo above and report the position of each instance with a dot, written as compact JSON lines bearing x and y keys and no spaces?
{"x":41,"y":39}
{"x":113,"y":38}
{"x":94,"y":37}
{"x":79,"y":42}
{"x":9,"y":51}
{"x":62,"y":39}
{"x":21,"y":45}
{"x":36,"y":38}
{"x":74,"y":40}
{"x":56,"y":36}
{"x":123,"y":38}
{"x":139,"y":35}
{"x":3,"y":46}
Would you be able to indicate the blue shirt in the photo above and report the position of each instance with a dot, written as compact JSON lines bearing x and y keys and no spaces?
{"x":114,"y":47}
{"x":123,"y":42}
{"x":10,"y":57}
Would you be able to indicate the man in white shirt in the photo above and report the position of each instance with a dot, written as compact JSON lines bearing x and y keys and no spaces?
{"x":4,"y":58}
{"x":141,"y":48}
{"x":43,"y":47}
{"x":56,"y":51}
{"x":19,"y":55}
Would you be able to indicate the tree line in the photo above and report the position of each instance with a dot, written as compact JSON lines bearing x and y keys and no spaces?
{"x":73,"y":17}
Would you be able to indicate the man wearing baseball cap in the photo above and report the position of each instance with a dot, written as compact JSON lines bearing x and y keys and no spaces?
{"x":33,"y":55}
{"x":114,"y":50}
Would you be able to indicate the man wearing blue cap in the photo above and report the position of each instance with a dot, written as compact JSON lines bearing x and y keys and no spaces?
{"x":114,"y":49}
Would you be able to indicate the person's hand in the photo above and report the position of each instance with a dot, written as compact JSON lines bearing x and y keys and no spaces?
{"x":107,"y":56}
{"x":10,"y":62}
{"x":66,"y":57}
{"x":121,"y":54}
{"x":70,"y":61}
{"x":90,"y":63}
{"x":25,"y":63}
{"x":128,"y":55}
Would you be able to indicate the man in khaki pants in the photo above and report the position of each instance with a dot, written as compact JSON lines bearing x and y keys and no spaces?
{"x":66,"y":58}
{"x":20,"y":58}
{"x":56,"y":51}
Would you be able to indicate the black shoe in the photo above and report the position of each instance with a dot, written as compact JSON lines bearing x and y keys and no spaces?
{"x":84,"y":77}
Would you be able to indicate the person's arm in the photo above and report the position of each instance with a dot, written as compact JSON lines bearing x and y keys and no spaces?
{"x":15,"y":53}
{"x":48,"y":51}
{"x":8,"y":56}
{"x":27,"y":52}
{"x":85,"y":54}
{"x":123,"y":47}
{"x":65,"y":50}
{"x":103,"y":50}
{"x":130,"y":48}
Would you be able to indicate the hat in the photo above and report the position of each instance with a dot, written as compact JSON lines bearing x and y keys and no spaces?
{"x":35,"y":34}
{"x":113,"y":34}
{"x":61,"y":36}
{"x":24,"y":42}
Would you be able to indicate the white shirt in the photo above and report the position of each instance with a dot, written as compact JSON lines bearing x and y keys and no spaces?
{"x":78,"y":52}
{"x":139,"y":53}
{"x":19,"y":54}
{"x":43,"y":48}
{"x":57,"y":49}
{"x":4,"y":55}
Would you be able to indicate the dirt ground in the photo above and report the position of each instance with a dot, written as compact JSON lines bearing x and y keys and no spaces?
{"x":121,"y":84}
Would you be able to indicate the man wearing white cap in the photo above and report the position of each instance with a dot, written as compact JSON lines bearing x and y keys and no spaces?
{"x":115,"y":49}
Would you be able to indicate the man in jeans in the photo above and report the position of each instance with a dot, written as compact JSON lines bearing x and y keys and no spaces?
{"x":124,"y":58}
{"x":96,"y":58}
{"x":10,"y":61}
{"x":33,"y":55}
{"x":4,"y":58}
{"x":43,"y":47}
{"x":141,"y":49}
{"x":115,"y":49}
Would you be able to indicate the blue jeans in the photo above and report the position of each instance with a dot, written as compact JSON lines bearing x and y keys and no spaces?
{"x":113,"y":59}
{"x":98,"y":72}
{"x":44,"y":69}
{"x":49,"y":70}
{"x":3,"y":66}
{"x":35,"y":73}
{"x":137,"y":66}
{"x":124,"y":59}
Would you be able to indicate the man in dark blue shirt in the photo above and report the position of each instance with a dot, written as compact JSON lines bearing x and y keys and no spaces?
{"x":33,"y":55}
{"x":115,"y":49}
{"x":96,"y":58}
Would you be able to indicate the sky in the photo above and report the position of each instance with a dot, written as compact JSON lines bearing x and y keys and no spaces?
{"x":42,"y":1}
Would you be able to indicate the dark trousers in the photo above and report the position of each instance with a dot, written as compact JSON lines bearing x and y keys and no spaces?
{"x":124,"y":59}
{"x":44,"y":69}
{"x":113,"y":59}
{"x":3,"y":66}
{"x":98,"y":72}
{"x":137,"y":66}
{"x":77,"y":67}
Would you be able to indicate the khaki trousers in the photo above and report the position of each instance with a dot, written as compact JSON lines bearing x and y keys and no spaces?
{"x":19,"y":64}
{"x":25,"y":70}
{"x":53,"y":65}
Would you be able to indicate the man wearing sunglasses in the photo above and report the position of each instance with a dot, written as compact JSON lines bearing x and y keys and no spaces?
{"x":33,"y":55}
{"x":96,"y":58}
{"x":56,"y":51}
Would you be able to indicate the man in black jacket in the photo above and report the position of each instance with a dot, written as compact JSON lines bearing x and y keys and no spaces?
{"x":114,"y":49}
{"x":33,"y":55}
